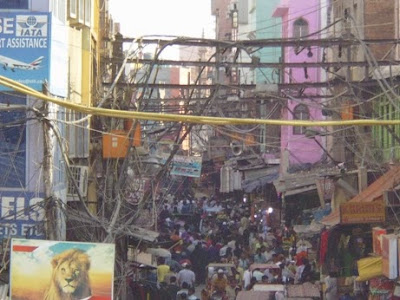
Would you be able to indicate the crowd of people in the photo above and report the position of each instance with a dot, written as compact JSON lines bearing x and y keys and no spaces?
{"x":206,"y":232}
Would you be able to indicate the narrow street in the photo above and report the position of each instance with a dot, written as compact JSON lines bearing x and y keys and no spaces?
{"x":147,"y":146}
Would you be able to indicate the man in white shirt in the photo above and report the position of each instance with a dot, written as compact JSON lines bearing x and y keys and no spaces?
{"x":268,"y":253}
{"x":246,"y":278}
{"x":186,"y":275}
{"x":258,"y":274}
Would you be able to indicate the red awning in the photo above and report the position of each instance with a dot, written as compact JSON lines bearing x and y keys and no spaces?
{"x":387,"y":181}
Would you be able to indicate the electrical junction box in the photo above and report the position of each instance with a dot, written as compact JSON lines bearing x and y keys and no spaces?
{"x":115,"y":144}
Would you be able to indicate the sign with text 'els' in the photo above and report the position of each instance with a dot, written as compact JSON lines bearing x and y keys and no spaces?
{"x":25,"y":48}
{"x":21,"y":215}
{"x":362,"y":212}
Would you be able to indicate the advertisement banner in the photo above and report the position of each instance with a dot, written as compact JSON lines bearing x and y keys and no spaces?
{"x":137,"y":189}
{"x":362,"y":212}
{"x":189,"y":166}
{"x":377,"y":233}
{"x":61,"y":270}
{"x":389,"y":255}
{"x":22,"y":215}
{"x":25,"y":48}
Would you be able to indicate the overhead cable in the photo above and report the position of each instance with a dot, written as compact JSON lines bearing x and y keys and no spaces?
{"x":123,"y":114}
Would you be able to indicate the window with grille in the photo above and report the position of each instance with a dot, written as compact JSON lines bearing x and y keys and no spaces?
{"x":88,"y":13}
{"x":300,"y":112}
{"x":73,"y":8}
{"x":59,"y":9}
{"x":300,"y":28}
{"x":81,"y":11}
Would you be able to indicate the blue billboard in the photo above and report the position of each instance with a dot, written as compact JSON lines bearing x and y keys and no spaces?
{"x":25,"y":47}
{"x":21,"y":215}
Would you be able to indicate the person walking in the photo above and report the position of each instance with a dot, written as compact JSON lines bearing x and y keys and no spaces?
{"x":162,"y":270}
{"x":199,"y":260}
{"x":186,"y":275}
{"x":331,"y":291}
{"x":172,"y":288}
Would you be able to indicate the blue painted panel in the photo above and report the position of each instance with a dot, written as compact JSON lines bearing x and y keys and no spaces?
{"x":12,"y":143}
{"x":21,"y":214}
{"x":14,"y":4}
{"x":25,"y":47}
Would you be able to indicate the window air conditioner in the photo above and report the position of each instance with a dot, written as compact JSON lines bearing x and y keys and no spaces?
{"x":80,"y":175}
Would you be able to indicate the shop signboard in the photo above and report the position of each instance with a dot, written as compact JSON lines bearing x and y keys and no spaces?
{"x":25,"y":47}
{"x":389,"y":255}
{"x":61,"y":270}
{"x":22,"y":214}
{"x":189,"y":166}
{"x":137,"y":189}
{"x":362,"y":212}
{"x":377,"y":233}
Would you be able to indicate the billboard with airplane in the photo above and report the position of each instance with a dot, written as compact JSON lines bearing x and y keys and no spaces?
{"x":25,"y":47}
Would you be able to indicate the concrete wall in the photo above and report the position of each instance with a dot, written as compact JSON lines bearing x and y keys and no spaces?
{"x":59,"y":59}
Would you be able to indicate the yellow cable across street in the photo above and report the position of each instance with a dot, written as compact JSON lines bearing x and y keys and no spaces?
{"x":185,"y":118}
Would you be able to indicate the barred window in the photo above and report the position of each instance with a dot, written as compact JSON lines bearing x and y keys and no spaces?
{"x":300,"y":28}
{"x":300,"y":112}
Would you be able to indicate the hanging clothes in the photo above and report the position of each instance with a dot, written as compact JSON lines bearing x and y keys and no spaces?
{"x":323,"y":246}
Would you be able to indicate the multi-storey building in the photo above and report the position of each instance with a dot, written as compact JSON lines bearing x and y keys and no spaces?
{"x":365,"y":20}
{"x":301,"y":20}
{"x":50,"y":46}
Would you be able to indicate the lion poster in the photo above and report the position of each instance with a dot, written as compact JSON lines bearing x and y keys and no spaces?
{"x":54,"y":270}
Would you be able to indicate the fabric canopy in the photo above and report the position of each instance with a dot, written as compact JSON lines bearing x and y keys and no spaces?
{"x":251,"y":184}
{"x":161,"y":252}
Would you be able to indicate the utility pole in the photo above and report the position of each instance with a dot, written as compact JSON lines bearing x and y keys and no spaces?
{"x":52,"y":230}
{"x":113,"y":179}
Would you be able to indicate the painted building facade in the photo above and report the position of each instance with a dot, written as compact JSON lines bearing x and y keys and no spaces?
{"x":268,"y":27}
{"x":300,"y":20}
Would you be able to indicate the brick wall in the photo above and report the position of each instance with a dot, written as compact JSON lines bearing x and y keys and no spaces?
{"x":380,"y":14}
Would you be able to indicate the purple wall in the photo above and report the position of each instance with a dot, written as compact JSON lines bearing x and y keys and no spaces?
{"x":301,"y":149}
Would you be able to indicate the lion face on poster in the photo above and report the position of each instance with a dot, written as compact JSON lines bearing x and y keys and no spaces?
{"x":70,"y":277}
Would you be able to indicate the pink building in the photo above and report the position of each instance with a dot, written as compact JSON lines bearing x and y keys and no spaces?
{"x":300,"y":19}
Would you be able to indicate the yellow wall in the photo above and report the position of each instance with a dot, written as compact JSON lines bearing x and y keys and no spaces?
{"x":75,"y":62}
{"x":86,"y":66}
{"x":83,"y":39}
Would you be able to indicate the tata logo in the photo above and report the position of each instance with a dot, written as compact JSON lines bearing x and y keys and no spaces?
{"x":31,"y":26}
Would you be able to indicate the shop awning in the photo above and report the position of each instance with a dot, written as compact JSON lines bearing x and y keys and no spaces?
{"x":303,"y":291}
{"x":142,"y":234}
{"x":298,"y":183}
{"x":160,"y":252}
{"x":387,"y":181}
{"x":271,"y":174}
{"x":255,"y":295}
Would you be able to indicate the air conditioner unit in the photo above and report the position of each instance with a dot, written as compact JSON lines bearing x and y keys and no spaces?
{"x":80,"y":175}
